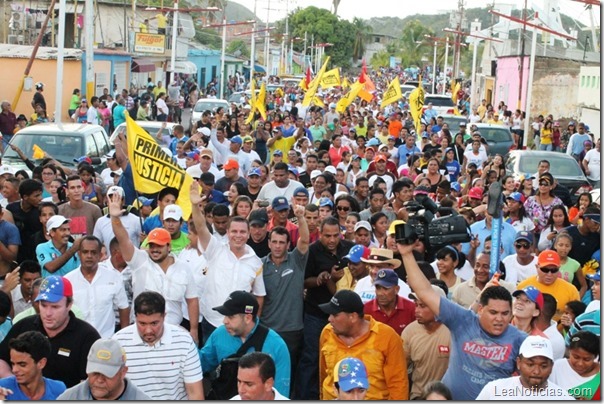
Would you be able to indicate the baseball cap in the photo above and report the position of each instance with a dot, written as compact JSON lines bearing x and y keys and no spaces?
{"x":55,"y":222}
{"x":301,"y":191}
{"x":380,"y":157}
{"x":193,"y":155}
{"x":145,"y":201}
{"x":456,"y":186}
{"x":362,"y":224}
{"x":277,"y":153}
{"x":425,"y":135}
{"x":280,"y":203}
{"x":594,"y":277}
{"x":517,"y":196}
{"x":206,"y":152}
{"x":593,"y":217}
{"x":237,"y":139}
{"x":159,"y":236}
{"x":54,"y":288}
{"x":292,"y":170}
{"x":6,"y":169}
{"x":350,"y":373}
{"x":254,"y":171}
{"x":173,"y":212}
{"x":533,"y":294}
{"x":535,"y":345}
{"x":204,"y":131}
{"x":325,"y":202}
{"x":106,"y":356}
{"x":39,"y":85}
{"x":393,"y":225}
{"x":231,"y":165}
{"x":356,"y":157}
{"x":547,"y":258}
{"x":386,"y":278}
{"x":110,"y":155}
{"x":314,"y":174}
{"x":357,"y":252}
{"x":475,"y":193}
{"x":247,"y":139}
{"x":346,"y":301}
{"x":524,"y":235}
{"x":373,"y":142}
{"x":116,"y":173}
{"x":331,"y":169}
{"x":463,"y":124}
{"x":258,"y":216}
{"x":439,"y":291}
{"x":239,"y":302}
{"x":83,"y":159}
{"x":114,"y":189}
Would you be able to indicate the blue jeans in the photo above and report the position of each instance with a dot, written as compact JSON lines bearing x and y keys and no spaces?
{"x":545,"y":147}
{"x":307,"y":378}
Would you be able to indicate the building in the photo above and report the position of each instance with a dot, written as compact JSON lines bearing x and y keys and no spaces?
{"x":588,"y":98}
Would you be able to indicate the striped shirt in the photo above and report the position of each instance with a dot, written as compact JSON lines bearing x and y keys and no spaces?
{"x":161,"y":370}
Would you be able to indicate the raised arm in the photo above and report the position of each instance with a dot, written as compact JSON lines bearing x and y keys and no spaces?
{"x":203,"y":234}
{"x":417,"y":280}
{"x":115,"y":211}
{"x":304,"y":239}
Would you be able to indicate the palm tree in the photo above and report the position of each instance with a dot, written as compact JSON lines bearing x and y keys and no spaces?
{"x":362,"y":31}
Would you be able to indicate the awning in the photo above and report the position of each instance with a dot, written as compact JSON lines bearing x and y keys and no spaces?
{"x":183,"y":66}
{"x":257,"y":68}
{"x":142,"y":66}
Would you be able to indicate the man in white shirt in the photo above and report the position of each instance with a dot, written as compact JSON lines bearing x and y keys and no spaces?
{"x":162,"y":107}
{"x":132,"y":223}
{"x":231,"y":149}
{"x":92,"y":115}
{"x":231,"y":266}
{"x":96,"y":289}
{"x":523,"y":264}
{"x":591,"y":165}
{"x":535,"y":363}
{"x":280,"y":186}
{"x":157,"y":269}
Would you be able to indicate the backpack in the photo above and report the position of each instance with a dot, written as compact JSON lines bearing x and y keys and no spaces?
{"x":223,"y":380}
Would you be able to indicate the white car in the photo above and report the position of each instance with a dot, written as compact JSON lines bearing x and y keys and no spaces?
{"x":151,"y":127}
{"x":208,"y":104}
{"x":442,"y":104}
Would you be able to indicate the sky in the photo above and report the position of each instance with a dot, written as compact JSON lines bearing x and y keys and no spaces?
{"x":348,"y":9}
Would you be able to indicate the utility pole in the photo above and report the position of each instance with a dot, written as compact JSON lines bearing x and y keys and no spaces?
{"x":446,"y":62}
{"x":89,"y":21}
{"x":522,"y":44}
{"x":267,"y":44}
{"x":253,"y":46}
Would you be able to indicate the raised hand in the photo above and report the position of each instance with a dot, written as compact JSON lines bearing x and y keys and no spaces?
{"x":194,"y":194}
{"x":115,"y":205}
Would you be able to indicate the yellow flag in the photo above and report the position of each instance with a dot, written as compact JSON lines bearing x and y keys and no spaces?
{"x":302,"y":84}
{"x":152,"y":169}
{"x":393,"y":93}
{"x":345,"y":83}
{"x":312,"y":88}
{"x":454,"y":91}
{"x":261,"y":101}
{"x":331,"y":78}
{"x":252,"y":100}
{"x":349,"y":98}
{"x":416,"y":105}
{"x":365,"y":95}
{"x":38,"y":152}
{"x":318,"y":102}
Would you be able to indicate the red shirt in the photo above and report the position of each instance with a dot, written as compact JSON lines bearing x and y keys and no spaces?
{"x":401,"y":317}
{"x":294,"y":233}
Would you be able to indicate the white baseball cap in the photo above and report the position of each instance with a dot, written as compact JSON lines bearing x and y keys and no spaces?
{"x":314,"y":174}
{"x":535,"y":345}
{"x":55,"y":222}
{"x":204,"y":131}
{"x":116,"y":190}
{"x":6,"y":169}
{"x":173,"y":212}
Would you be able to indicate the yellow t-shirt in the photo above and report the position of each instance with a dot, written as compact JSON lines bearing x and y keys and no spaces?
{"x":142,"y":27}
{"x":162,"y":21}
{"x":284,"y":144}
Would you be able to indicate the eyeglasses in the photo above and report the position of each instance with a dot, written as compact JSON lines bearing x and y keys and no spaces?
{"x":549,"y":270}
{"x":344,"y":208}
{"x":526,"y":246}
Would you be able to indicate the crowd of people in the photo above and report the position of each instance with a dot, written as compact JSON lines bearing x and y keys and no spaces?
{"x":288,"y":279}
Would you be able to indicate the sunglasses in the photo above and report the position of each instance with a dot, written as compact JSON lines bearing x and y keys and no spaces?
{"x":544,"y":184}
{"x":549,"y":270}
{"x":526,"y":246}
{"x":344,"y":208}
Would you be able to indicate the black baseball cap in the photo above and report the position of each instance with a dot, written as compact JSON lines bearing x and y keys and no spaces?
{"x":258,"y":216}
{"x":239,"y":302}
{"x":345,"y":301}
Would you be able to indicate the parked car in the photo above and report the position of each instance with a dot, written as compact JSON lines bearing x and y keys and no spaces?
{"x":208,"y":104}
{"x":453,"y":121}
{"x":64,"y":143}
{"x":235,"y":98}
{"x":442,"y":104}
{"x":151,"y":127}
{"x":563,"y":167}
{"x":498,"y":137}
{"x":407,"y":88}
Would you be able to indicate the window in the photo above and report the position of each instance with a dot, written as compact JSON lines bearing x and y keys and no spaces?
{"x":203,"y":77}
{"x":91,"y":149}
{"x":582,"y":81}
{"x":101,"y":142}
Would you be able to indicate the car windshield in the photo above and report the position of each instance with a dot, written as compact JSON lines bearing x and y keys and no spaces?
{"x":453,"y":122}
{"x":559,"y":166}
{"x":62,"y":148}
{"x":439,"y":101}
{"x":495,"y":135}
{"x":209,"y":106}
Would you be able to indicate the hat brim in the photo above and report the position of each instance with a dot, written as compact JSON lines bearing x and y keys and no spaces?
{"x":346,"y":385}
{"x":384,"y":283}
{"x":394,"y":262}
{"x":106,"y":370}
{"x":225,"y":311}
{"x":329,"y":308}
{"x":48,"y":297}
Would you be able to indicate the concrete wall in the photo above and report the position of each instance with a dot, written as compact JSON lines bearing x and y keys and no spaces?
{"x":46,"y":72}
{"x":507,"y":79}
{"x":588,"y":93}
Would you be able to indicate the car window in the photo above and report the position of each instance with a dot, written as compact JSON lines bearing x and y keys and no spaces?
{"x":91,"y":148}
{"x":153,"y":131}
{"x":439,"y":101}
{"x":209,"y":106}
{"x":62,"y":148}
{"x":558,"y":165}
{"x":101,"y":142}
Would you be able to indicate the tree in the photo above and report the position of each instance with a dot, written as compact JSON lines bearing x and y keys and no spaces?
{"x":238,"y":45}
{"x":412,"y":44}
{"x":380,"y":59}
{"x":362,"y":31}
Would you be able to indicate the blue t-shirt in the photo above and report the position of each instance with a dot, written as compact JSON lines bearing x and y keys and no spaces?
{"x":454,"y":169}
{"x":9,"y":233}
{"x":403,"y":151}
{"x":153,"y":222}
{"x":47,"y":252}
{"x":476,"y":357}
{"x":126,"y":181}
{"x":52,"y":389}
